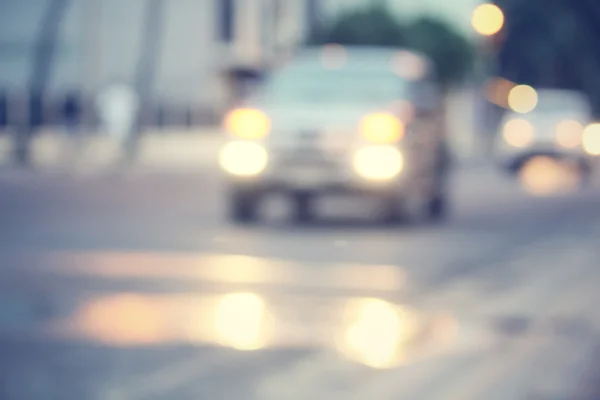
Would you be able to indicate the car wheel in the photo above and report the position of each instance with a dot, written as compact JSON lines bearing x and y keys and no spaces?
{"x":303,"y":207}
{"x":243,"y":207}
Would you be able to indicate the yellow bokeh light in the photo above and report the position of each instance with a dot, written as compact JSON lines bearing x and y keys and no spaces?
{"x":568,"y":133}
{"x":123,"y":319}
{"x":543,"y":176}
{"x":522,"y":99}
{"x":382,"y":128}
{"x":248,"y":123}
{"x":591,"y":139}
{"x":376,"y":333}
{"x":240,"y":321}
{"x":487,"y":19}
{"x":518,"y":133}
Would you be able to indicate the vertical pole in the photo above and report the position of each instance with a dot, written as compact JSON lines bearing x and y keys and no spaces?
{"x":149,"y":58}
{"x":91,"y":57}
{"x":44,"y":52}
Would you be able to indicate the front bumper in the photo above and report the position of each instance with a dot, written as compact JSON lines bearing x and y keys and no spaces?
{"x":320,"y":174}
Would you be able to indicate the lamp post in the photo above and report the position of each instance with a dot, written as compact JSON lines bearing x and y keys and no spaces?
{"x":487,"y":21}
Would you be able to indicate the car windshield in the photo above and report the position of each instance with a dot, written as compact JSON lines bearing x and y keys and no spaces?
{"x":560,"y":103}
{"x":347,"y":86}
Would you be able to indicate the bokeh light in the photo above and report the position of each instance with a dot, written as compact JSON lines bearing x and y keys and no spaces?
{"x":544,"y":176}
{"x":241,"y":321}
{"x":591,"y":139}
{"x":122,"y":320}
{"x":518,"y":133}
{"x":497,"y":90}
{"x":248,"y":123}
{"x":568,"y":134}
{"x":376,"y":332}
{"x":487,"y":19}
{"x":522,"y":99}
{"x":409,"y":66}
{"x":382,"y":128}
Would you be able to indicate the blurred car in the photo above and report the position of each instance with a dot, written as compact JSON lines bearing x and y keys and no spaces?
{"x":340,"y":120}
{"x":555,"y":128}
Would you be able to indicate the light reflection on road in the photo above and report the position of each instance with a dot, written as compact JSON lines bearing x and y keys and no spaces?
{"x":365,"y":330}
{"x":244,"y":303}
{"x":230,"y":269}
{"x":544,"y":176}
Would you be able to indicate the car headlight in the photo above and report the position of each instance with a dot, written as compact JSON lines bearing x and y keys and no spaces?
{"x":382,"y":128}
{"x":518,"y":133}
{"x":248,"y":123}
{"x":568,"y":134}
{"x":378,"y":162}
{"x":591,"y":139}
{"x":243,"y":158}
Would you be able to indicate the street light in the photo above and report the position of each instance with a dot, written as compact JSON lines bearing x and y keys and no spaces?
{"x":487,"y":19}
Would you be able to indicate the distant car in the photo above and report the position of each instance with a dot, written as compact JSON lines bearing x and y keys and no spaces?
{"x":340,"y":120}
{"x":555,"y":128}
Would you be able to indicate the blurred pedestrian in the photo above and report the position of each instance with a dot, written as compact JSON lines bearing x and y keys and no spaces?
{"x":118,"y":108}
{"x":71,"y":116}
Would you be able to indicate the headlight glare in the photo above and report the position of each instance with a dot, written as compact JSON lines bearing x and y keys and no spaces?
{"x":382,"y":128}
{"x":378,"y":162}
{"x":518,"y":133}
{"x":242,"y":158}
{"x":591,"y":139}
{"x":248,"y":123}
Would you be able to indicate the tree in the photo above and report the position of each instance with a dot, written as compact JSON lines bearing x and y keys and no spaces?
{"x":373,"y":26}
{"x":552,"y":43}
{"x":450,"y":52}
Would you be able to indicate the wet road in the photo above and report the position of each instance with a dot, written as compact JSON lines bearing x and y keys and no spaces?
{"x":121,"y":287}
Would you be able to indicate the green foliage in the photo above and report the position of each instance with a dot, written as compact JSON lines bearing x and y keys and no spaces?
{"x":552,"y":43}
{"x":450,"y":52}
{"x":374,"y":26}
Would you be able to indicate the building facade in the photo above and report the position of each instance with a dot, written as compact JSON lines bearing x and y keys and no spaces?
{"x":200,"y":50}
{"x":202,"y":43}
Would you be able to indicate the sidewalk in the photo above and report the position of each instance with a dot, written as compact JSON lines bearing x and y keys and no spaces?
{"x":174,"y":149}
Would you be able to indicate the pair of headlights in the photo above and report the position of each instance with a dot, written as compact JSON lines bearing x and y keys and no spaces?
{"x":569,"y":134}
{"x":373,"y":162}
{"x":252,"y":124}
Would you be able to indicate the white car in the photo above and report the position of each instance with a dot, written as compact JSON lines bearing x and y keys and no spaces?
{"x":558,"y":127}
{"x":340,"y":120}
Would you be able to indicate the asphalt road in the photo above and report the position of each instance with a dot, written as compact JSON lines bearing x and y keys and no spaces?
{"x":124,"y":287}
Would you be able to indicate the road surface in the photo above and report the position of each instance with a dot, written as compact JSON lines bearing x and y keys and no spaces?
{"x":135,"y":287}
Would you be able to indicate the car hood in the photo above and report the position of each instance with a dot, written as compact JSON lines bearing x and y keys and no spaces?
{"x":335,"y":125}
